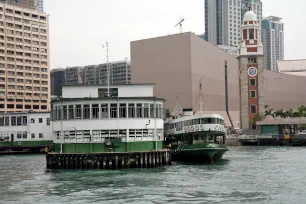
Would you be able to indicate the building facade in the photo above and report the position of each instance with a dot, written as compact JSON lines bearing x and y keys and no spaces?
{"x":273,"y":41}
{"x":251,"y":72}
{"x":223,"y":19}
{"x":24,"y":59}
{"x":30,"y":4}
{"x":57,"y":77}
{"x":292,"y":67}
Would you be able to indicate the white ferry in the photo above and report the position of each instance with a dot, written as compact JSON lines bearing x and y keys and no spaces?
{"x":25,"y":132}
{"x":196,"y":138}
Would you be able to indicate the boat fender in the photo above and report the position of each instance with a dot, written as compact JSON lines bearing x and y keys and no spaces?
{"x":19,"y":143}
{"x":179,"y":143}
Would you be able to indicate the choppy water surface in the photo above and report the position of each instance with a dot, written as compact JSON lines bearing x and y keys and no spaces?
{"x":246,"y":175}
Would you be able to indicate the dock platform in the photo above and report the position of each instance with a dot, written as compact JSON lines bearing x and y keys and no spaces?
{"x":108,"y":160}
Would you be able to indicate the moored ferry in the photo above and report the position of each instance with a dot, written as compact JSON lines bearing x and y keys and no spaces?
{"x":25,"y":132}
{"x":196,"y":138}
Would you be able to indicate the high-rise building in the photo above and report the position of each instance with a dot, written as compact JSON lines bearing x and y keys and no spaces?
{"x":120,"y":73}
{"x":273,"y":41}
{"x":30,"y":4}
{"x":224,"y":17}
{"x":57,"y":80}
{"x":24,"y":59}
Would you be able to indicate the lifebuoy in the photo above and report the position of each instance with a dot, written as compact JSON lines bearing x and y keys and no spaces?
{"x":19,"y":143}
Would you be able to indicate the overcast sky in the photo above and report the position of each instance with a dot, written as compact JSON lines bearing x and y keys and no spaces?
{"x":79,"y":28}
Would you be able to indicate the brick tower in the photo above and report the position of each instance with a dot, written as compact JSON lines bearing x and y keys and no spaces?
{"x":251,"y":64}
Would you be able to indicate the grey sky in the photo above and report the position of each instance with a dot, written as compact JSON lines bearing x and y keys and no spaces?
{"x":79,"y":28}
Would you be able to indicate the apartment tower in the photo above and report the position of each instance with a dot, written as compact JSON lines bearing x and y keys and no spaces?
{"x":24,"y":59}
{"x":273,"y":40}
{"x":30,"y":4}
{"x":224,"y":17}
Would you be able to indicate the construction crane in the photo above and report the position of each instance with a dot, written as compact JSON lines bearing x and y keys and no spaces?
{"x":180,"y":23}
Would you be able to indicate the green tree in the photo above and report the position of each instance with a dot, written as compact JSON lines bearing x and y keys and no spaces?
{"x":167,"y":113}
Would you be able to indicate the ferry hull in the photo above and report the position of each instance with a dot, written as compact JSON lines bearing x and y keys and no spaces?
{"x":26,"y":146}
{"x":199,"y":154}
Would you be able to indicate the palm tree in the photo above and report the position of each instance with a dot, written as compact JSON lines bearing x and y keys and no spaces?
{"x":280,"y":113}
{"x":269,"y":111}
{"x":301,"y":111}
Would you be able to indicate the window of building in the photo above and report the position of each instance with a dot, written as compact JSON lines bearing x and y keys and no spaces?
{"x":104,"y":110}
{"x":122,"y":111}
{"x":95,"y":111}
{"x":113,"y":110}
{"x":152,"y":113}
{"x":146,"y":110}
{"x":18,"y":135}
{"x":2,"y":121}
{"x":252,"y":60}
{"x":7,"y":121}
{"x":33,"y":135}
{"x":13,"y":121}
{"x":253,"y":94}
{"x":139,"y":110}
{"x":254,"y":127}
{"x":86,"y":112}
{"x":48,"y":121}
{"x":131,"y":110}
{"x":10,"y":106}
{"x":78,"y":110}
{"x":25,"y":135}
{"x":70,"y":112}
{"x":64,"y":113}
{"x":41,"y":135}
{"x":40,"y":120}
{"x":25,"y":120}
{"x":32,"y":120}
{"x":253,"y":109}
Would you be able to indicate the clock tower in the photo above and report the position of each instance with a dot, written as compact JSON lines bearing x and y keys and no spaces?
{"x":251,"y":65}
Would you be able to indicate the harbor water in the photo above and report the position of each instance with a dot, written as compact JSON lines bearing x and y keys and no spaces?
{"x":246,"y":175}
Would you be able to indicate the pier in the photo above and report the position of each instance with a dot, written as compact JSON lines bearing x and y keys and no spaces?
{"x":108,"y":160}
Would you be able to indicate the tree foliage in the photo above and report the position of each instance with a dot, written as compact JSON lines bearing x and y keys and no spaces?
{"x":301,"y":112}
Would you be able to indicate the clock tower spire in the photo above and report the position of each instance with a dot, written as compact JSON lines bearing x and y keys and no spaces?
{"x":251,"y":67}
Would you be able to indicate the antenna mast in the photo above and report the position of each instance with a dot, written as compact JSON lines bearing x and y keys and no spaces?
{"x":107,"y":67}
{"x":178,"y":109}
{"x":180,"y":23}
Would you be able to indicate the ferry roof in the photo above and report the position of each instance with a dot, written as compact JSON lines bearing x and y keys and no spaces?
{"x":104,"y":99}
{"x":184,"y":118}
{"x":283,"y":121}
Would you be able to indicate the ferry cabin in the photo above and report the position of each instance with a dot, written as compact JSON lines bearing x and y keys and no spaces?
{"x":196,"y":129}
{"x":88,"y":120}
{"x":25,"y":131}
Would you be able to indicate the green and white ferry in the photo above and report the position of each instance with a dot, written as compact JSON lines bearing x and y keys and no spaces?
{"x":22,"y":132}
{"x":196,"y":138}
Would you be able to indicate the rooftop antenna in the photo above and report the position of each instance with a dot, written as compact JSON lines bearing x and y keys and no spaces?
{"x":180,"y":23}
{"x":107,"y":67}
{"x":178,"y":109}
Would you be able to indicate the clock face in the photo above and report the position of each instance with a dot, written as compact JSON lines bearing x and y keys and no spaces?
{"x":252,"y":71}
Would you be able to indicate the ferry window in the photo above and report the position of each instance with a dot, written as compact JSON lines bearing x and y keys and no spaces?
{"x":204,"y":120}
{"x":253,"y":109}
{"x":113,"y":110}
{"x":18,"y":136}
{"x":33,"y":135}
{"x":139,"y":110}
{"x":186,"y":123}
{"x":40,"y":120}
{"x":196,"y":137}
{"x":212,"y":121}
{"x":65,"y":112}
{"x":24,"y":135}
{"x":122,"y":110}
{"x":78,"y":112}
{"x":196,"y":121}
{"x":252,"y":82}
{"x":32,"y":120}
{"x":104,"y":110}
{"x":95,"y":111}
{"x":2,"y":121}
{"x":152,"y":115}
{"x":189,"y":122}
{"x":131,"y":110}
{"x":48,"y":121}
{"x":25,"y":120}
{"x":146,"y":110}
{"x":13,"y":121}
{"x":253,"y":94}
{"x":70,"y":112}
{"x":161,"y":111}
{"x":41,"y":135}
{"x":7,"y":121}
{"x":86,"y":112}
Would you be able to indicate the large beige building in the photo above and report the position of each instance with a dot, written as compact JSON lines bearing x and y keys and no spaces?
{"x":24,"y":59}
{"x":177,"y":63}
